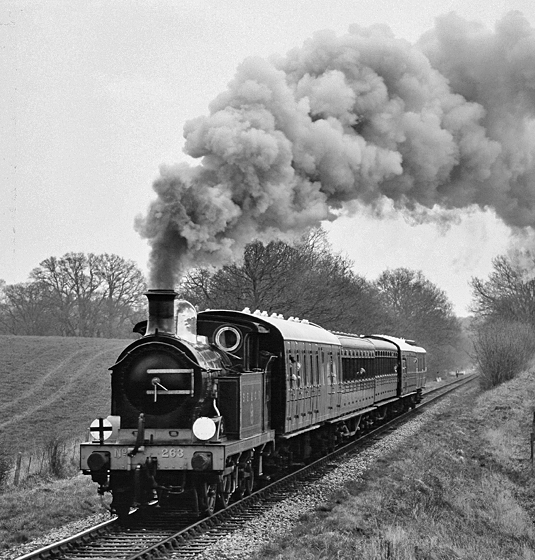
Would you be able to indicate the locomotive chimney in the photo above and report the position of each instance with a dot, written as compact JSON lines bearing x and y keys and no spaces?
{"x":161,"y":311}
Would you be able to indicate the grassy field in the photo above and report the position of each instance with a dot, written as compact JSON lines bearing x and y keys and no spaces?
{"x":52,"y":387}
{"x":465,"y":489}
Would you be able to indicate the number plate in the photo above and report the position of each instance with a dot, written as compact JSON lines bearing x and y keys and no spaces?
{"x":172,"y":452}
{"x":163,"y":452}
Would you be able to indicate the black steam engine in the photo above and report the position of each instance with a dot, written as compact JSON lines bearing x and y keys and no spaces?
{"x":205,"y":406}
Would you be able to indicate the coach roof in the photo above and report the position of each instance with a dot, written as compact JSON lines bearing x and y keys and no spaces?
{"x":401,"y":343}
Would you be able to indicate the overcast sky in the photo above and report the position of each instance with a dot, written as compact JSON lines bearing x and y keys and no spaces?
{"x":94,"y":97}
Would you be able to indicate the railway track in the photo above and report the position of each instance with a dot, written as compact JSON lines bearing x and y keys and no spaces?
{"x":158,"y":532}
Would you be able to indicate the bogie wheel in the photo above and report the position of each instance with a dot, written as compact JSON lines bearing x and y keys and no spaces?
{"x":207,"y":496}
{"x":246,"y":482}
{"x":224,"y":491}
{"x":249,"y":479}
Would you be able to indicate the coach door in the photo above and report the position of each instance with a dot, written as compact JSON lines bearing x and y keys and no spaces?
{"x":403,"y":375}
{"x":306,"y":389}
{"x":309,"y":409}
{"x":332,"y":383}
{"x":296,"y":385}
{"x":315,"y":387}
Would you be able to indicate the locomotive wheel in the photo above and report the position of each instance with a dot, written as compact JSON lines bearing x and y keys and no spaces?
{"x":121,"y":502}
{"x":224,"y":491}
{"x":207,"y":496}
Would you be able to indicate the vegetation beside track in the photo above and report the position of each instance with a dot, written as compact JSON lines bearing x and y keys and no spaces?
{"x":51,"y":388}
{"x":38,"y":507}
{"x":464,"y":489}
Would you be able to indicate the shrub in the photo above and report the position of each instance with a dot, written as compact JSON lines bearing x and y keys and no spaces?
{"x":60,"y":465}
{"x":502,"y":349}
{"x":5,"y":467}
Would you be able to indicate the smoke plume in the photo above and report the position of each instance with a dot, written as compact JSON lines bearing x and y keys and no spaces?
{"x":447,"y":123}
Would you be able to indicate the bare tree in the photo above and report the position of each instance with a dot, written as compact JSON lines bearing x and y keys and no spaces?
{"x":4,"y":313}
{"x":504,"y":306}
{"x":120,"y":295}
{"x":255,"y":283}
{"x":69,"y":284}
{"x":23,"y":310}
{"x":509,"y":292}
{"x":76,"y":295}
{"x":420,"y":310}
{"x":305,"y":279}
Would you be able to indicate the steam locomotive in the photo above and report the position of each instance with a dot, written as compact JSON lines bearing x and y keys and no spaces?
{"x":205,"y":406}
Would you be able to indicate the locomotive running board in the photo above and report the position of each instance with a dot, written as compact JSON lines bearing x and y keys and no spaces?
{"x":293,"y":434}
{"x":351,"y":415}
{"x":388,"y":401}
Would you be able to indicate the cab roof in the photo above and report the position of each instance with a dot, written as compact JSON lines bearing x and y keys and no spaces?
{"x":290,"y":329}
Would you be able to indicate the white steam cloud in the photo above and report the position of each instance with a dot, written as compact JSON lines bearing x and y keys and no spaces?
{"x":447,"y":123}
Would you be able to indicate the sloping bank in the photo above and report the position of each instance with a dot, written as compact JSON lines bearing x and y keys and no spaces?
{"x":462,"y":488}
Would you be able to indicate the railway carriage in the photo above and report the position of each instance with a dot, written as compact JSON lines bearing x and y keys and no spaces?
{"x":205,"y":406}
{"x":412,"y":364}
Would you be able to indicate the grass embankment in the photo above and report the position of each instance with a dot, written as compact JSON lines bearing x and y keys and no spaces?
{"x":464,"y":489}
{"x":37,"y":507}
{"x":52,"y":387}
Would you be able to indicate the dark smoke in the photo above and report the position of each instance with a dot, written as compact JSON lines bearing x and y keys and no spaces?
{"x":448,"y":123}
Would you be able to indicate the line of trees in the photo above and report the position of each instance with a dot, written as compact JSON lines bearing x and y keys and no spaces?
{"x":308,"y":280}
{"x":102,"y":295}
{"x":75,"y":295}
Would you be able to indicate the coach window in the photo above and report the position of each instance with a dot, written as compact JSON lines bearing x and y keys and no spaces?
{"x":311,"y":363}
{"x":334,"y":375}
{"x":306,"y":369}
{"x":345,"y":365}
{"x":292,"y":370}
{"x":298,"y":371}
{"x":251,"y":352}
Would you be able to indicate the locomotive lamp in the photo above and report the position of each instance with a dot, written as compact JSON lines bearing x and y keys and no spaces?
{"x":204,"y":428}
